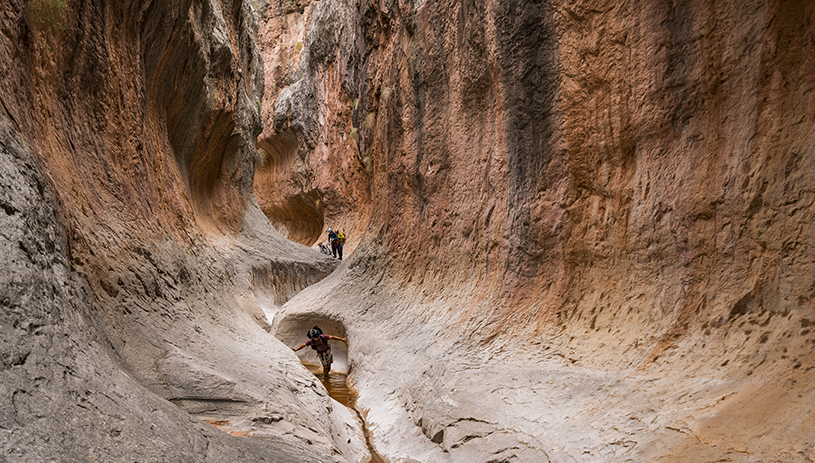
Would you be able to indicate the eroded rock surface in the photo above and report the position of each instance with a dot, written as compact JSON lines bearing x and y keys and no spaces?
{"x":313,"y":175}
{"x":582,"y":230}
{"x":590,"y":225}
{"x":138,"y":272}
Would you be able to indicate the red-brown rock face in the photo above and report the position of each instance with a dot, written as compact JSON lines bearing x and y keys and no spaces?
{"x":582,"y":231}
{"x":312,"y":176}
{"x":627,"y":187}
{"x":136,"y":264}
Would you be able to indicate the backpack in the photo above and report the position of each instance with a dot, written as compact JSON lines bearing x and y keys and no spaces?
{"x":341,"y":237}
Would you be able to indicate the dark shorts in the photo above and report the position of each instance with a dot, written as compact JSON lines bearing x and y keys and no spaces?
{"x":326,"y":358}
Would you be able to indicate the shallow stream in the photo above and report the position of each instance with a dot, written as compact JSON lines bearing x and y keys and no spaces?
{"x":338,"y":389}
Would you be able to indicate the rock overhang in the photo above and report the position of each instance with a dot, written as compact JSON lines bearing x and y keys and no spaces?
{"x":292,"y":330}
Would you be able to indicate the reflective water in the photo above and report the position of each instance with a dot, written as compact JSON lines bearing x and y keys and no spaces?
{"x":337,"y":385}
{"x":338,"y":389}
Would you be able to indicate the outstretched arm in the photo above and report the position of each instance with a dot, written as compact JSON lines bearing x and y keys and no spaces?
{"x":345,"y":340}
{"x":299,"y":347}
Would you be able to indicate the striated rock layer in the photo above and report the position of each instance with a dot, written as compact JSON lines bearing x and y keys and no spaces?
{"x":312,"y":175}
{"x":589,"y":235}
{"x":581,"y":230}
{"x":138,"y":271}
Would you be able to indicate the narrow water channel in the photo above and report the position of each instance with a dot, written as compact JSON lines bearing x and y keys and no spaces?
{"x":338,"y":389}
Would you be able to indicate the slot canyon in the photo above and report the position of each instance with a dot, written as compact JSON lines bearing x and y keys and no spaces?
{"x":577,"y":230}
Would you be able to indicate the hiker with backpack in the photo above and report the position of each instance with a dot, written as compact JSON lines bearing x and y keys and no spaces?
{"x":332,"y":240}
{"x":340,"y":242}
{"x":319,"y":342}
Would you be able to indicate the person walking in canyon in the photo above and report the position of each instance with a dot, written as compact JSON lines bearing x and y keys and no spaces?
{"x":319,"y":342}
{"x":332,"y":241}
{"x":340,"y":243}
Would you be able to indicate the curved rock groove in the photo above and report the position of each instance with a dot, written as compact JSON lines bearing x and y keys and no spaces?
{"x":278,"y":183}
{"x":292,"y":329}
{"x":585,"y":229}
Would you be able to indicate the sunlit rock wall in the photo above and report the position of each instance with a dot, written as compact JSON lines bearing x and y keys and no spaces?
{"x":139,"y":274}
{"x":621,"y":192}
{"x":312,"y":175}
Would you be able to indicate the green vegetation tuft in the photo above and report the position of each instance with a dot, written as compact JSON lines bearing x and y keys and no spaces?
{"x":48,"y":14}
{"x":259,"y":7}
{"x":370,"y":120}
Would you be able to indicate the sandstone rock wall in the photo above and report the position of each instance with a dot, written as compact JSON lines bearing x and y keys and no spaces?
{"x":593,"y":216}
{"x":314,"y":175}
{"x":582,"y":230}
{"x":65,"y":394}
{"x":138,"y":270}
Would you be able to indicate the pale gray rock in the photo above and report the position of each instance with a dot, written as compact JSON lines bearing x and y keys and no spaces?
{"x":136,"y":266}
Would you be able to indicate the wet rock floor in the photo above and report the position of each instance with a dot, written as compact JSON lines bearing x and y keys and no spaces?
{"x":338,"y":389}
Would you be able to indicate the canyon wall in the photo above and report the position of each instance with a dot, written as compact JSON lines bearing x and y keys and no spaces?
{"x":589,"y":232}
{"x":312,"y":176}
{"x":138,"y":270}
{"x":581,"y":230}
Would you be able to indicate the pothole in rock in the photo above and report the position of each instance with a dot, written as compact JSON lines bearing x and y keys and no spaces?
{"x":336,"y":385}
{"x":292,"y":331}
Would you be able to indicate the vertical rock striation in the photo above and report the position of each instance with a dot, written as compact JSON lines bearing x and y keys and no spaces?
{"x":313,"y":175}
{"x":592,"y":217}
{"x":138,"y":270}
